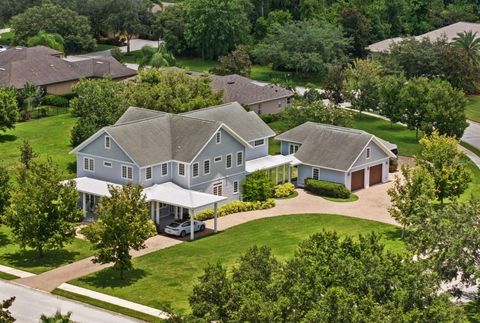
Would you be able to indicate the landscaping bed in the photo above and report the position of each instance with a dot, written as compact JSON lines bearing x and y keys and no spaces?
{"x":165,"y":278}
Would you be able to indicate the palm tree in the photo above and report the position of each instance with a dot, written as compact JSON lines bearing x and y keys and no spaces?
{"x":154,"y":57}
{"x":54,"y":41}
{"x":470,"y":43}
{"x":58,"y":317}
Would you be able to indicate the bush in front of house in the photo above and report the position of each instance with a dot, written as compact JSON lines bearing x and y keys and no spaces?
{"x":283,"y":190}
{"x":55,"y":101}
{"x":257,"y":187}
{"x":328,"y":189}
{"x":236,"y":207}
{"x":393,"y":166}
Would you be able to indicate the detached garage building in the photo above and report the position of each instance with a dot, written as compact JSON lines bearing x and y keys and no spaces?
{"x":347,"y":156}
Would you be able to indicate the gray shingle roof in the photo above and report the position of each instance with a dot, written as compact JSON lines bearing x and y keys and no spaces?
{"x":162,"y":138}
{"x":43,"y":66}
{"x":327,"y":146}
{"x":136,"y":114}
{"x":240,"y":89}
{"x":247,"y":125}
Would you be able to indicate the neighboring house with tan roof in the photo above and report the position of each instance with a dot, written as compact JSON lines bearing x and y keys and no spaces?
{"x":449,"y":32}
{"x":45,"y":67}
{"x":261,"y":98}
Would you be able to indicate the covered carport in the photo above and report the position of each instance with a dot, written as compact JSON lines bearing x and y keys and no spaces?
{"x":269,"y":163}
{"x":181,"y":198}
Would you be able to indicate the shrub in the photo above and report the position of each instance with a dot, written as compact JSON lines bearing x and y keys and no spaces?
{"x":283,"y":190}
{"x":269,"y":118}
{"x":329,"y":189}
{"x":393,"y":166}
{"x":236,"y":207}
{"x":55,"y":100}
{"x":257,"y":187}
{"x":116,"y":53}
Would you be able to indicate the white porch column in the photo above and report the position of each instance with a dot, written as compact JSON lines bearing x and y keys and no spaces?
{"x":192,"y":228}
{"x":215,"y":217}
{"x":84,"y":202}
{"x":276,"y":175}
{"x":289,"y":173}
{"x":283,"y":174}
{"x":175,"y":212}
{"x":180,"y":216}
{"x":152,"y":210}
{"x":158,"y":211}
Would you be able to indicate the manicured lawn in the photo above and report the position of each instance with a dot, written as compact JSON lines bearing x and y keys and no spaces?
{"x":351,"y":198}
{"x":105,"y":305}
{"x":473,"y":108}
{"x":474,"y":187}
{"x":11,"y":255}
{"x":471,"y":148}
{"x":6,"y":276}
{"x":195,"y":64}
{"x":166,"y":277}
{"x":49,"y":136}
{"x":133,"y":57}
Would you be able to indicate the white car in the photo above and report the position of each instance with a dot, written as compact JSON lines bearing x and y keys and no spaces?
{"x":183,"y":228}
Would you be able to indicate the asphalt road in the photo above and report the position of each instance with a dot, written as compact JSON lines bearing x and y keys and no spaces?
{"x":472,"y":134}
{"x":30,"y":304}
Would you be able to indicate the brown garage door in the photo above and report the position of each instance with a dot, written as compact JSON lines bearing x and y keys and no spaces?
{"x":358,"y":180}
{"x":375,"y":174}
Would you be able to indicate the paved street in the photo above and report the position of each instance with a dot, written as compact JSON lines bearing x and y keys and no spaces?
{"x":30,"y":304}
{"x":472,"y":134}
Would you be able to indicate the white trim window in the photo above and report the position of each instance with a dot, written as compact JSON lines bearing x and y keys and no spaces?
{"x":239,"y":158}
{"x":315,"y":173}
{"x":181,"y":169}
{"x":218,"y":189}
{"x":148,"y":173}
{"x":206,"y":167}
{"x":368,"y":153}
{"x":292,"y":148}
{"x":127,"y":172}
{"x":218,"y":137}
{"x":107,"y":164}
{"x":228,"y":161}
{"x":235,"y":187}
{"x":88,"y":164}
{"x":108,"y":142}
{"x":195,"y":170}
{"x":217,"y":159}
{"x":164,"y":169}
{"x":259,"y":142}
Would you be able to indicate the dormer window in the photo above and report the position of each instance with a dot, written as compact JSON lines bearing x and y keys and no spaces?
{"x":368,"y":152}
{"x":107,"y":142}
{"x":218,"y":137}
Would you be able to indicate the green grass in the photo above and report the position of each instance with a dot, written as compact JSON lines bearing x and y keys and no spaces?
{"x":13,"y":256}
{"x":351,"y":198}
{"x":48,"y":136}
{"x":6,"y":276}
{"x":133,"y":57}
{"x":471,"y":148}
{"x":397,"y":134}
{"x":195,"y":64}
{"x":474,"y":187}
{"x":473,"y":108}
{"x":106,"y":306}
{"x":165,"y":278}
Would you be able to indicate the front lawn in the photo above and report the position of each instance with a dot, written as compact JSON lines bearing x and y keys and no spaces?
{"x":11,"y":255}
{"x":167,"y":276}
{"x":48,"y":136}
{"x":473,"y":108}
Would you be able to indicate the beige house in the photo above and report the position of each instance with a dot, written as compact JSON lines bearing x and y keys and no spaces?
{"x":45,"y":67}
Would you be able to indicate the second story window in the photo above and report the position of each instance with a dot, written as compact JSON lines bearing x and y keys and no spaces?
{"x":164,"y":169}
{"x":292,"y":149}
{"x":195,"y":170}
{"x":148,"y":173}
{"x":368,"y":152}
{"x":127,"y":172}
{"x":181,"y":169}
{"x":218,"y":137}
{"x":206,"y":167}
{"x":107,"y":142}
{"x":259,"y":142}
{"x":88,"y":164}
{"x":228,"y":161}
{"x":239,"y":158}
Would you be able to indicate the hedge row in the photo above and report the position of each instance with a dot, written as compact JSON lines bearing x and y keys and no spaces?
{"x":236,"y":207}
{"x":55,"y":101}
{"x":328,"y":189}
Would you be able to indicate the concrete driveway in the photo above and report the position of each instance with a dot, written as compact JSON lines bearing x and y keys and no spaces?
{"x":30,"y":304}
{"x":472,"y":134}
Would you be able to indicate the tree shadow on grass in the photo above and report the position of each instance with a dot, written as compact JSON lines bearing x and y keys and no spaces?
{"x":110,"y":278}
{"x":4,"y":239}
{"x":30,"y":259}
{"x":6,"y":138}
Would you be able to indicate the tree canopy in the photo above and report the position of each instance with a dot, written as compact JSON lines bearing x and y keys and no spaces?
{"x":9,"y":113}
{"x":54,"y":41}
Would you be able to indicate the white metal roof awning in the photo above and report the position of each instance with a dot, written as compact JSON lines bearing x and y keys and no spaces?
{"x":172,"y":194}
{"x":93,"y":186}
{"x":267,"y":162}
